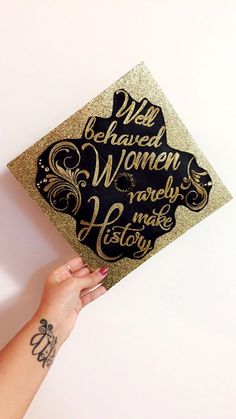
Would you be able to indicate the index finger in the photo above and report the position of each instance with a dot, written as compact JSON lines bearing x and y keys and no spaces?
{"x":66,"y":270}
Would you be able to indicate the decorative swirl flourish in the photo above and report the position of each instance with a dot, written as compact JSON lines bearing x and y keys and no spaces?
{"x":197,"y":198}
{"x":131,"y":169}
{"x":64,"y":183}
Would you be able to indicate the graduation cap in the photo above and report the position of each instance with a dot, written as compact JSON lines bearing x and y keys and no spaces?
{"x":122,"y":177}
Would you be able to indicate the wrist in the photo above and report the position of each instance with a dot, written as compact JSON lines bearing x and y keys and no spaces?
{"x":53,"y":323}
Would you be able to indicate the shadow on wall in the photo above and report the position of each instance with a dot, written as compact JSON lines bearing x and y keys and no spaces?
{"x":27,"y":240}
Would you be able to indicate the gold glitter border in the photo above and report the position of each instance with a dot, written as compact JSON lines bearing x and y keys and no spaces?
{"x":140,"y":83}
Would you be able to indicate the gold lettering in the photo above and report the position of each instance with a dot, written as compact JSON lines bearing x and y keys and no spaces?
{"x":107,"y":171}
{"x":168,"y":192}
{"x":131,"y":160}
{"x":172,"y":158}
{"x":124,"y":139}
{"x":127,"y":236}
{"x":135,"y":115}
{"x":161,"y":161}
{"x":156,"y":219}
{"x":124,"y":236}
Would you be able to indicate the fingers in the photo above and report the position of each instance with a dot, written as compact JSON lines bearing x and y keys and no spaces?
{"x":76,"y":269}
{"x":92,"y":295}
{"x":65,"y":271}
{"x":74,"y":264}
{"x":93,"y":278}
{"x":82,"y":271}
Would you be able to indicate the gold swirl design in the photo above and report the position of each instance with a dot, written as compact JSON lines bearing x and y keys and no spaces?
{"x":64,"y":179}
{"x":194,"y":178}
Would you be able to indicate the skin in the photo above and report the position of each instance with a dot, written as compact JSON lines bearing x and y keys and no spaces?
{"x":64,"y":295}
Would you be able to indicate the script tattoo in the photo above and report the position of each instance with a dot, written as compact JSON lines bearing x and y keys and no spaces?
{"x":121,"y":181}
{"x":44,"y":343}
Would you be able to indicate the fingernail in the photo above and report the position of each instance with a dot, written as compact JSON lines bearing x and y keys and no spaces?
{"x":103,"y":270}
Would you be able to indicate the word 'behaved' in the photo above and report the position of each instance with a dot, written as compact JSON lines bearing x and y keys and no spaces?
{"x":128,"y":113}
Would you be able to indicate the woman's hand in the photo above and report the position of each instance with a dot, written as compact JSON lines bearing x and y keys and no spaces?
{"x":66,"y":291}
{"x":24,"y":361}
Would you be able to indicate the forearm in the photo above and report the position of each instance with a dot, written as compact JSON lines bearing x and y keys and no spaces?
{"x":24,"y":363}
{"x":26,"y":359}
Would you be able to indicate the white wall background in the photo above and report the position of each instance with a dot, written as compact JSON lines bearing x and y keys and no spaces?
{"x":160,"y":344}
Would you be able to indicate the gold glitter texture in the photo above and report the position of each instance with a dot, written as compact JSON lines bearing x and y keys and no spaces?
{"x":139,"y":83}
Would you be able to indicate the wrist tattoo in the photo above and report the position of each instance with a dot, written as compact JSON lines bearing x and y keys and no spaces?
{"x":44,"y":343}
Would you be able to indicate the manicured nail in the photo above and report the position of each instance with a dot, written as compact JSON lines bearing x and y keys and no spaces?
{"x":103,"y":270}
